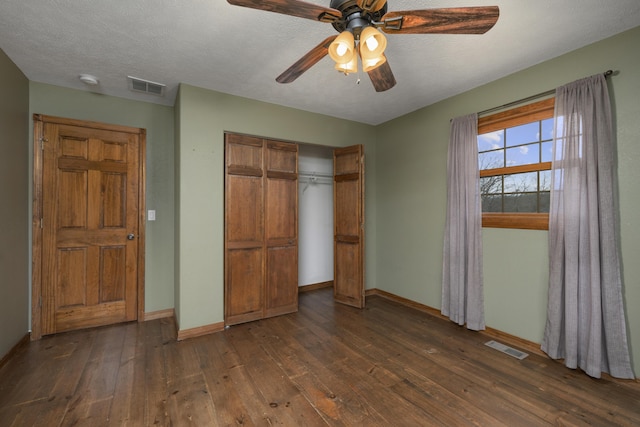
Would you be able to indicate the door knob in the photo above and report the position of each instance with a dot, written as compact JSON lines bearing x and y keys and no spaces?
{"x":131,"y":236}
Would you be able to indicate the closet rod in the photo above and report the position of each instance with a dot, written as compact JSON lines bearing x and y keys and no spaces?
{"x":316,"y":174}
{"x":529,"y":98}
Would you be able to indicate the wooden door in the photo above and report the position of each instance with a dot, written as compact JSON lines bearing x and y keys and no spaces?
{"x":348,"y":206}
{"x":281,"y":228}
{"x":261,"y":229}
{"x":244,"y":229}
{"x":90,"y":222}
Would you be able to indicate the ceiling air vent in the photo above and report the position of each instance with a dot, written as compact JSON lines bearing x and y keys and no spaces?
{"x":145,"y":86}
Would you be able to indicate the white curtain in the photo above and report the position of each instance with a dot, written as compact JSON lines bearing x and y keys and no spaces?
{"x":462,"y":295}
{"x":585,"y":311}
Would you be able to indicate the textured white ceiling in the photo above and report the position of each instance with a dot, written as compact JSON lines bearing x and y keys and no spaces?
{"x":240,"y":51}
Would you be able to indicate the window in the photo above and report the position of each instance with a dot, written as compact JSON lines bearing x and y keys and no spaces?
{"x":514,"y":158}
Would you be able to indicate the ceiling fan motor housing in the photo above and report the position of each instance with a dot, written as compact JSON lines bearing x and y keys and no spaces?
{"x":354,"y":18}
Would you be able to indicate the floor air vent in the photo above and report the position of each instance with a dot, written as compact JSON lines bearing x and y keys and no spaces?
{"x":146,"y":86}
{"x":506,"y":349}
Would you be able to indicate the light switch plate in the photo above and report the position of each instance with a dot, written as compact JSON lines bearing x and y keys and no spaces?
{"x":151,"y":215}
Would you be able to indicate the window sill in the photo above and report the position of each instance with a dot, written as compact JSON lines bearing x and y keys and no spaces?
{"x":527,"y":221}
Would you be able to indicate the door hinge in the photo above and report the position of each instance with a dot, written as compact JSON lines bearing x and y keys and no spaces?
{"x":41,"y":223}
{"x":42,"y":141}
{"x":40,"y":301}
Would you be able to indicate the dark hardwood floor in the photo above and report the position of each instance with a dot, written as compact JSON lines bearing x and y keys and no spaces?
{"x":386,"y":365}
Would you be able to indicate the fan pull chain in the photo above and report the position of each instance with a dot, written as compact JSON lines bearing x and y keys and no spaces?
{"x":357,"y":68}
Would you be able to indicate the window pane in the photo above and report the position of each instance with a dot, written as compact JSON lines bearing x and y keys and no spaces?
{"x":545,"y":199}
{"x":560,"y":126}
{"x":547,"y":151}
{"x":523,"y":155}
{"x":547,"y":130}
{"x":545,"y":181}
{"x":491,"y":185}
{"x":521,"y":182}
{"x":491,"y":141}
{"x":492,"y":203}
{"x":521,"y":202}
{"x":510,"y":152}
{"x":523,"y":134}
{"x":491,"y":160}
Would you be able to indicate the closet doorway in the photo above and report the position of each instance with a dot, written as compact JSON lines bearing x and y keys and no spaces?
{"x":315,"y":216}
{"x":266,"y":261}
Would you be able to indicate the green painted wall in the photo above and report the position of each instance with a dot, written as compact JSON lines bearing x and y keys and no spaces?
{"x":203,"y":117}
{"x":158,"y":121}
{"x":411,"y":195}
{"x":14,"y":205}
{"x":405,"y":190}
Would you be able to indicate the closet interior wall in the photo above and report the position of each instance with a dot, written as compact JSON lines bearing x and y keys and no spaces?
{"x":315,"y":215}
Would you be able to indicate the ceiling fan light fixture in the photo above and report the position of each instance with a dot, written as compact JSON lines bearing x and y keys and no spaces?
{"x":373,"y":62}
{"x":357,"y":22}
{"x":349,"y":67}
{"x":342,"y":49}
{"x":372,"y":41}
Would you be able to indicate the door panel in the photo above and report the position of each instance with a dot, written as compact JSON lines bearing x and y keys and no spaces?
{"x":348,"y":273}
{"x":282,"y":281}
{"x":72,"y":268}
{"x":348,"y":200}
{"x":112,"y":273}
{"x":281,"y":210}
{"x":90,"y":205}
{"x":244,"y":210}
{"x":244,"y":298}
{"x":347,"y":221}
{"x":281,"y":222}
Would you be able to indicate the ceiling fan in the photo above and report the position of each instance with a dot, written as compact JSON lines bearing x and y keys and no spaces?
{"x":358,"y":21}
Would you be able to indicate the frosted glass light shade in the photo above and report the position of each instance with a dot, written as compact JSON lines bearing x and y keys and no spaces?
{"x":349,"y":67}
{"x":342,"y":49}
{"x":372,"y":63}
{"x":372,"y":42}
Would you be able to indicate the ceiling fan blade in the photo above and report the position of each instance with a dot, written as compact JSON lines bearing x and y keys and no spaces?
{"x":297,"y":8}
{"x":382,"y":77}
{"x":306,"y":62}
{"x":371,"y":5}
{"x":455,"y":20}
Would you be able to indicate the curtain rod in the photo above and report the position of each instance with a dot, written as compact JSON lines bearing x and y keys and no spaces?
{"x":529,"y":98}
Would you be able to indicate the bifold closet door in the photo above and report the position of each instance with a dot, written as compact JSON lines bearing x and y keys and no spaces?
{"x":281,"y":228}
{"x":348,"y":222}
{"x":244,"y":229}
{"x":261,"y":237}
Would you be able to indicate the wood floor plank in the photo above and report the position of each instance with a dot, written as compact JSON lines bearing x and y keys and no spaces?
{"x":228,"y":397}
{"x":404,"y":384}
{"x":189,"y":401}
{"x":451,"y":358}
{"x":91,"y":401}
{"x":59,"y":360}
{"x":155,"y":337}
{"x":326,"y":365}
{"x":536,"y":379}
{"x":127,"y":406}
{"x":281,"y":401}
{"x":327,"y":392}
{"x":356,"y":371}
{"x":459,"y":356}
